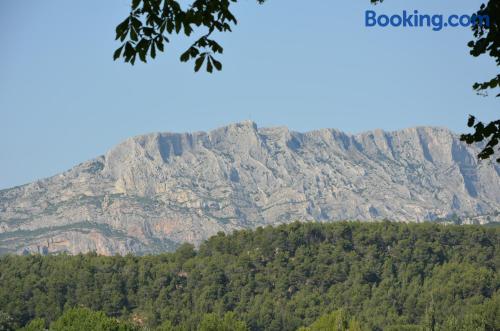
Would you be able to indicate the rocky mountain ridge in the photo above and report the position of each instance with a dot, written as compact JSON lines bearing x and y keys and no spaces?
{"x":154,"y":191}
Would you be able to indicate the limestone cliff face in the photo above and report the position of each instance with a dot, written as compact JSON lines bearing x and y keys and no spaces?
{"x":154,"y":191}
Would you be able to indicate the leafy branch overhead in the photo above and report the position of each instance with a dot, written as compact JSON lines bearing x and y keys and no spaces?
{"x":482,"y":132}
{"x":147,"y":29}
{"x":487,"y":42}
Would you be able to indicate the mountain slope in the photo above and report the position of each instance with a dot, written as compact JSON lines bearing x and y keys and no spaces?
{"x":154,"y":191}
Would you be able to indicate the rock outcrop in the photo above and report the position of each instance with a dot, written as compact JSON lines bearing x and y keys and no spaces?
{"x":152,"y":192}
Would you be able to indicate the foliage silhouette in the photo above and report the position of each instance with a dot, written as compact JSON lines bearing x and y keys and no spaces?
{"x":147,"y":29}
{"x":487,"y":41}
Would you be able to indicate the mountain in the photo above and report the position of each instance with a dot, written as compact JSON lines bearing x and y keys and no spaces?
{"x":154,"y":191}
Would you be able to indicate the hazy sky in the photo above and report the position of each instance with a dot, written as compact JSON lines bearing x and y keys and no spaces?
{"x":305,"y":64}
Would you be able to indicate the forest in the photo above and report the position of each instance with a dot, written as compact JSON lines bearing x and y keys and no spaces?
{"x":301,"y":276}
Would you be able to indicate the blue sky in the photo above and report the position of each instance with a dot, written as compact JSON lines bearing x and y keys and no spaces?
{"x":303,"y":64}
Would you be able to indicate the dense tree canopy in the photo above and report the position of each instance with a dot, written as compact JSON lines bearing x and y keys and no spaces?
{"x":373,"y":276}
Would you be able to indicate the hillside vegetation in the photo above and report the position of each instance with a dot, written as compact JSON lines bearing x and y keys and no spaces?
{"x":314,"y":276}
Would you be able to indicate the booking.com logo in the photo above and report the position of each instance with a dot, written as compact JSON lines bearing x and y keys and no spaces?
{"x":437,"y":22}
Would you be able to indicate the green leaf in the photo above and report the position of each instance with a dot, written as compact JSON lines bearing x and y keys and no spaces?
{"x":194,"y":51}
{"x":159,"y":44}
{"x":147,"y":31}
{"x":153,"y":50}
{"x":170,"y":26}
{"x":217,"y":64}
{"x":135,"y":4}
{"x":210,"y":67}
{"x":117,"y":53}
{"x":471,"y":121}
{"x":137,"y":24}
{"x":122,"y":28}
{"x":178,"y":24}
{"x":133,"y":35}
{"x":128,"y":52}
{"x":142,"y":57}
{"x":185,"y":56}
{"x":199,"y":62}
{"x":187,"y":29}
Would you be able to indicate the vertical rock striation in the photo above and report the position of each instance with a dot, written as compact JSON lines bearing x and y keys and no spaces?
{"x":152,"y":192}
